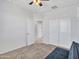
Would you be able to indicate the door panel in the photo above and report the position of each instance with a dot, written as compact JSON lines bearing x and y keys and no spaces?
{"x":65,"y":33}
{"x":53,"y":32}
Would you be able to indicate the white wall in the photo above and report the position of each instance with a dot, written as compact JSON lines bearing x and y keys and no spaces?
{"x":12,"y":26}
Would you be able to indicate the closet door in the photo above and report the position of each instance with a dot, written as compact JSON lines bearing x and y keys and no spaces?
{"x":60,"y":32}
{"x":64,"y":33}
{"x":53,"y":32}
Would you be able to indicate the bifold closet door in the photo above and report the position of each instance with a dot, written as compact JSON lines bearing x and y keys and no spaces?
{"x":50,"y":31}
{"x":65,"y":33}
{"x":53,"y":32}
{"x":57,"y":32}
{"x":60,"y":32}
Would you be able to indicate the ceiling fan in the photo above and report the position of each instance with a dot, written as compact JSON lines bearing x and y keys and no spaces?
{"x":37,"y":2}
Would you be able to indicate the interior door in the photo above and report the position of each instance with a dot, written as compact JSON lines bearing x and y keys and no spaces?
{"x":53,"y":32}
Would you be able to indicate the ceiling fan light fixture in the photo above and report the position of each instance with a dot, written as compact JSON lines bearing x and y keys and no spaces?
{"x":37,"y":2}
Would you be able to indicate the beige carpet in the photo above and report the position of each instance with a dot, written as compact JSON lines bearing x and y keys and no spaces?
{"x":34,"y":51}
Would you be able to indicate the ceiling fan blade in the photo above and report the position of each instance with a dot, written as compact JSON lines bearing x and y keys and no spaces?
{"x":40,"y":4}
{"x":31,"y":3}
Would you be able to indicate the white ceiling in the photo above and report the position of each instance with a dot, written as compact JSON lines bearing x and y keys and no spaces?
{"x":46,"y":4}
{"x":64,"y":7}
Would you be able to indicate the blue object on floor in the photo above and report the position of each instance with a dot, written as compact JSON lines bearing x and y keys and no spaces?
{"x":74,"y":51}
{"x":58,"y":53}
